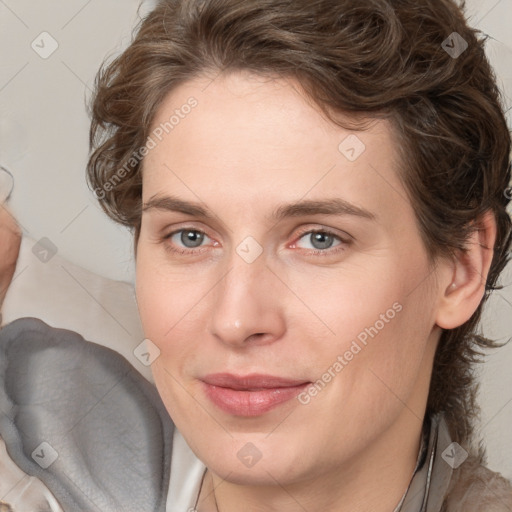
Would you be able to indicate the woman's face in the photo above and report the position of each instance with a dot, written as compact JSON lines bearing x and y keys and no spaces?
{"x":281,"y":274}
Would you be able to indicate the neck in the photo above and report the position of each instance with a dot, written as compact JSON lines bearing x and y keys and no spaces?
{"x":374,"y":480}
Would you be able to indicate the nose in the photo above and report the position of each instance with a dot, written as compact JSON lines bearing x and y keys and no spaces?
{"x":248,"y":305}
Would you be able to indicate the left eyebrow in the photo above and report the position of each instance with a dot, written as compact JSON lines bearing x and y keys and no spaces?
{"x":335,"y":206}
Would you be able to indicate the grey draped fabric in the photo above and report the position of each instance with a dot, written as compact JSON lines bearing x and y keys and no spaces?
{"x":85,"y":406}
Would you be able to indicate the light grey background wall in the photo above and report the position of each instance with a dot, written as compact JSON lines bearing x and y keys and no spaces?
{"x":43,"y":141}
{"x":44,"y":123}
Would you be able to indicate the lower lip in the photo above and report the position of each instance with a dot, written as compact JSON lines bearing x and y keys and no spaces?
{"x":250,"y":403}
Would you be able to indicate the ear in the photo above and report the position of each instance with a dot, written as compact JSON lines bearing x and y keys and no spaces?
{"x":464,"y":278}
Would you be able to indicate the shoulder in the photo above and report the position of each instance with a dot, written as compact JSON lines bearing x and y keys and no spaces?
{"x":474,"y":488}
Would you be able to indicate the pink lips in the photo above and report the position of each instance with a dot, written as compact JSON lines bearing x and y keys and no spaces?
{"x":250,"y":395}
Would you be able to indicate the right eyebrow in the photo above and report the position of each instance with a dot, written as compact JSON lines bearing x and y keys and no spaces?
{"x":173,"y":204}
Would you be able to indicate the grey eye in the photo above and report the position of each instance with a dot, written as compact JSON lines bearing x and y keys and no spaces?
{"x":319,"y":240}
{"x":191,"y":238}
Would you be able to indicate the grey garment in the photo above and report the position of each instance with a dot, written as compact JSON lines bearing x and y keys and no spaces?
{"x":429,"y":485}
{"x":77,"y":416}
{"x":449,"y":479}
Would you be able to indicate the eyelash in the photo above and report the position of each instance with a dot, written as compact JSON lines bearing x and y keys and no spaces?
{"x":314,"y":252}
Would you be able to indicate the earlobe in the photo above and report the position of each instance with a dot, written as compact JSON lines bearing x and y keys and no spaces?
{"x":464,"y":281}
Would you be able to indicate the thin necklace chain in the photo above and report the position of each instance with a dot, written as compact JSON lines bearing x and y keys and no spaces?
{"x":201,"y":490}
{"x":397,"y":509}
{"x":213,"y":492}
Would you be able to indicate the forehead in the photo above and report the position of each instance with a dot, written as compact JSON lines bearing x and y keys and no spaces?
{"x":249,"y":137}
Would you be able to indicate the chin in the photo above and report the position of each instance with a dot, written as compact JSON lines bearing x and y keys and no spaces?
{"x":263,"y":473}
{"x":250,"y":459}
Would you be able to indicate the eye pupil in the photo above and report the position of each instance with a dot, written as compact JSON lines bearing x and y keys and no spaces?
{"x":324,"y":240}
{"x":191,"y":236}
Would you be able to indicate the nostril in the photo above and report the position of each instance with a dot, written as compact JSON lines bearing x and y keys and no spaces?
{"x":256,"y":337}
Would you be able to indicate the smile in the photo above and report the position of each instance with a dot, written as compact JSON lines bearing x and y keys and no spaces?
{"x":250,"y":395}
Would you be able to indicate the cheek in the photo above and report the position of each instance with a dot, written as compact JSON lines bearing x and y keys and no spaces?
{"x":347,"y":305}
{"x":383,"y":365}
{"x":165,"y":309}
{"x":165,"y":296}
{"x":379,"y":328}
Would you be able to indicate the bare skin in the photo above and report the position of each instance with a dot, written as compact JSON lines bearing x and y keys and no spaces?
{"x":251,"y":145}
{"x":10,"y":240}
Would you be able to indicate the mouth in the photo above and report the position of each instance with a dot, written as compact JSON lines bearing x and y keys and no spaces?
{"x":250,"y":395}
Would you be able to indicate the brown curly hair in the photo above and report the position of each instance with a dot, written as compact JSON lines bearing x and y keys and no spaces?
{"x":374,"y":59}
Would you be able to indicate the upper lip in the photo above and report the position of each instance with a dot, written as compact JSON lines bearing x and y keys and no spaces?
{"x":254,"y":381}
